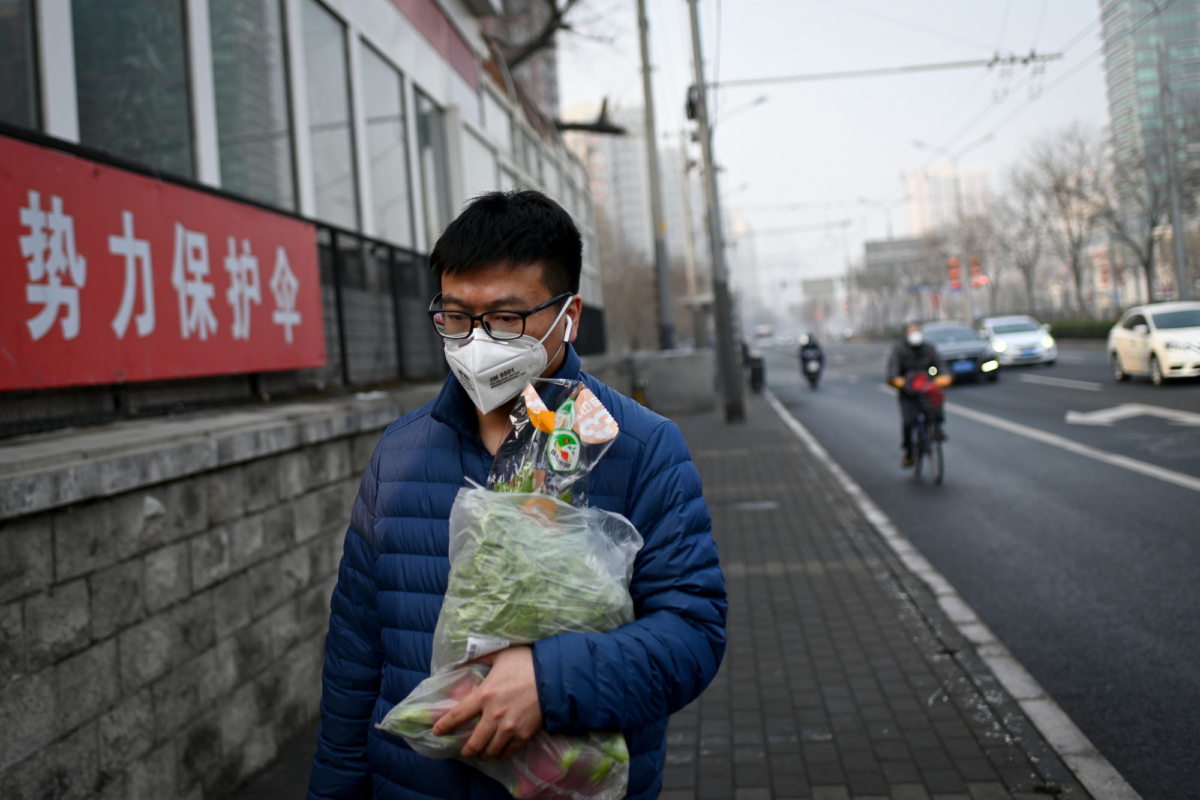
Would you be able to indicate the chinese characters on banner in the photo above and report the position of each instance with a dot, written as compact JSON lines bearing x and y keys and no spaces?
{"x":109,"y":276}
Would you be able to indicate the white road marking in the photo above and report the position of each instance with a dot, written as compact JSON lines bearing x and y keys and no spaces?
{"x":1063,"y":443}
{"x":1065,"y":383}
{"x":1107,"y":416}
{"x":1089,"y":765}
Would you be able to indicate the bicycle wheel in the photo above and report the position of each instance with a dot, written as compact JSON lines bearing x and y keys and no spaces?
{"x":939,"y":461}
{"x":922,"y":447}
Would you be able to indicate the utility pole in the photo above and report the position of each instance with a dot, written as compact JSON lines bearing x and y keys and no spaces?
{"x":662,"y":266}
{"x":689,"y":246}
{"x":1177,"y":233}
{"x":730,"y":366}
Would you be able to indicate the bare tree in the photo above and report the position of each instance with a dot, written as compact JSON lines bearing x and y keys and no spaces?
{"x":1135,"y":204}
{"x":1068,"y":165}
{"x":1020,"y":219}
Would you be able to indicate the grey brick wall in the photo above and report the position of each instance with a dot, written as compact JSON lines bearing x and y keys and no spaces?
{"x":164,"y":642}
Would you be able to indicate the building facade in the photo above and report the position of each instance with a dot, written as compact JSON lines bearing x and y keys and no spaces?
{"x":932,"y":201}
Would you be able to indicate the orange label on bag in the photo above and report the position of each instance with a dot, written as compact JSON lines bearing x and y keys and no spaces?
{"x":593,"y":423}
{"x":541,"y":417}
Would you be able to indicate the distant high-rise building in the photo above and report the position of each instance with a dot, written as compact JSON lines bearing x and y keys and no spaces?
{"x":1137,"y":48}
{"x":931,"y":197}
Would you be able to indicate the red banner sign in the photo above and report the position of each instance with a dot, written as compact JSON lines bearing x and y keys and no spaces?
{"x":108,"y":276}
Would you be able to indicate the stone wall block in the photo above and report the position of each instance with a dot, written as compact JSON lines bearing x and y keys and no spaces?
{"x":196,"y":625}
{"x":146,"y":650}
{"x":198,"y":753}
{"x":83,"y":540}
{"x":362,"y":447}
{"x":233,"y":604}
{"x":222,"y":676}
{"x":12,"y":643}
{"x":153,"y":777}
{"x":66,"y":770}
{"x":139,"y":521}
{"x":325,"y":554}
{"x":248,"y":541}
{"x":127,"y":732}
{"x":260,"y":749}
{"x":156,"y":465}
{"x":262,"y":484}
{"x":117,"y":598}
{"x":87,"y":684}
{"x":284,"y":624}
{"x":167,"y":576}
{"x":279,"y":529}
{"x":278,"y":579}
{"x":254,"y":647}
{"x":26,"y":556}
{"x":187,"y":509}
{"x":227,"y":494}
{"x":237,"y":717}
{"x":293,"y":475}
{"x":28,"y":717}
{"x":312,"y":609}
{"x":321,"y":510}
{"x":57,"y":623}
{"x":177,"y":695}
{"x":212,"y":556}
{"x":329,"y":462}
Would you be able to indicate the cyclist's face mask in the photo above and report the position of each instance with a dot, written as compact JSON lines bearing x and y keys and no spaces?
{"x":493,"y":372}
{"x":915,"y":338}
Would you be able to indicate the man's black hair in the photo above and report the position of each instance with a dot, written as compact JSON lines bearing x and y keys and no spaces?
{"x":514,"y":229}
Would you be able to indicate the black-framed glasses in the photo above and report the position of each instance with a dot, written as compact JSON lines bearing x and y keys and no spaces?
{"x":500,"y":325}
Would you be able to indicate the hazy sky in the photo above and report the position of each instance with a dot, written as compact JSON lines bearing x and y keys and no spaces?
{"x":827,"y":144}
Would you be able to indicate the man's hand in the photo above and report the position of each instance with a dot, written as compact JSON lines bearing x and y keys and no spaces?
{"x":943,"y":380}
{"x":897,"y":382}
{"x":506,"y":702}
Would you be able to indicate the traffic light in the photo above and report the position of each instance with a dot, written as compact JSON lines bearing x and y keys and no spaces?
{"x":978,"y":279}
{"x":955,"y":274}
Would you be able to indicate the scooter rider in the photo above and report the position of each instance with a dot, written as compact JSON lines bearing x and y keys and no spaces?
{"x":810,"y":351}
{"x":913,"y":354}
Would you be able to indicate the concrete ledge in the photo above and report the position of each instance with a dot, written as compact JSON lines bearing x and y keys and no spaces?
{"x":49,"y":471}
{"x":670,"y":381}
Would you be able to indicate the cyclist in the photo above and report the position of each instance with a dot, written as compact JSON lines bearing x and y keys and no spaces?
{"x":913,"y":354}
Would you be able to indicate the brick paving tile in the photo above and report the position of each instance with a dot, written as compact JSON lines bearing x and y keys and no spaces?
{"x":843,"y":679}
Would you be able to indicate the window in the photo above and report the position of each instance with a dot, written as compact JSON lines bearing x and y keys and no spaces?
{"x":18,"y":78}
{"x":387,"y":149}
{"x":254,"y":128}
{"x":131,"y":78}
{"x":435,"y":184}
{"x":334,"y":178}
{"x":1134,"y":321}
{"x":480,"y":166}
{"x":498,"y":123}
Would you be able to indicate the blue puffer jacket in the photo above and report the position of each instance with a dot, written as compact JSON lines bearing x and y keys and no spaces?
{"x":393,"y":576}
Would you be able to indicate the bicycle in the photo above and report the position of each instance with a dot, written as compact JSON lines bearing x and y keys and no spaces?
{"x":929,"y":438}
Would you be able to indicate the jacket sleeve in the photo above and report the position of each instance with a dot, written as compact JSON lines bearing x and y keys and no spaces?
{"x":353,"y":660}
{"x":895,"y":369}
{"x":646,"y":670}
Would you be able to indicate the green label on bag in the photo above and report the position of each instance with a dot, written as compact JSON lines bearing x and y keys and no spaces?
{"x":565,"y":416}
{"x":563,"y":450}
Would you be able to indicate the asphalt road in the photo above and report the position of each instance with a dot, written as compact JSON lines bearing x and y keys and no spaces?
{"x":1088,"y":571}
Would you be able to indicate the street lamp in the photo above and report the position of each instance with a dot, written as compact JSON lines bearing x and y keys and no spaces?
{"x":954,"y":156}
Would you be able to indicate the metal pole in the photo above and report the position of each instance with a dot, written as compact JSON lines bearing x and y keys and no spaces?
{"x":689,"y":245}
{"x":968,"y":284}
{"x":1177,"y":232}
{"x":662,"y":266}
{"x":731,"y":371}
{"x":340,"y":303}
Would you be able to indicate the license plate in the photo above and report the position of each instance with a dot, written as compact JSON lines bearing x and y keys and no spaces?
{"x":812,"y":366}
{"x":1032,"y":351}
{"x":962,"y":366}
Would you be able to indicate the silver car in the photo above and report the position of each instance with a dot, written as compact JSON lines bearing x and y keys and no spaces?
{"x":1020,"y":339}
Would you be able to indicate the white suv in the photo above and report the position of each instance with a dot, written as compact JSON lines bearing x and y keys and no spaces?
{"x":1020,"y":340}
{"x":1161,"y":340}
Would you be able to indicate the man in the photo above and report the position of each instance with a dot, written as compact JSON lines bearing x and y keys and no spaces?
{"x":913,"y":354}
{"x":509,"y":309}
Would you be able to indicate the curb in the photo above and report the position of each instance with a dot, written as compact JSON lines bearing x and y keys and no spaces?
{"x":1082,"y":757}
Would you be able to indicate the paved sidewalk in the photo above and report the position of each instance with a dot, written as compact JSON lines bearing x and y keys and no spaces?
{"x":843,"y":678}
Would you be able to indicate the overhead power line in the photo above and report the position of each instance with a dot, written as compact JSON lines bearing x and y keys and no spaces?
{"x":990,"y":63}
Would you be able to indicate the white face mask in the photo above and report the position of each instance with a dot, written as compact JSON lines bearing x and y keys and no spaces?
{"x":915,"y":338}
{"x":494,"y":372}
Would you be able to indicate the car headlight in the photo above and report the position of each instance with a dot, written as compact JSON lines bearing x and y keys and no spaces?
{"x":988,"y":366}
{"x":1047,"y":341}
{"x":1178,"y":346}
{"x":999,"y":345}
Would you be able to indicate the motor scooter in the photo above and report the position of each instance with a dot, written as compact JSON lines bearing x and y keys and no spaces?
{"x":810,"y":365}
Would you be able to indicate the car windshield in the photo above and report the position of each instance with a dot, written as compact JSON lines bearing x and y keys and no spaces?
{"x":949,"y":335}
{"x":1015,"y":327}
{"x":1186,"y":318}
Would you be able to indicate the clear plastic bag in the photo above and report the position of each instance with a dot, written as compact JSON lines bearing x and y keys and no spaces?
{"x":528,"y":561}
{"x":525,"y":567}
{"x":594,"y":766}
